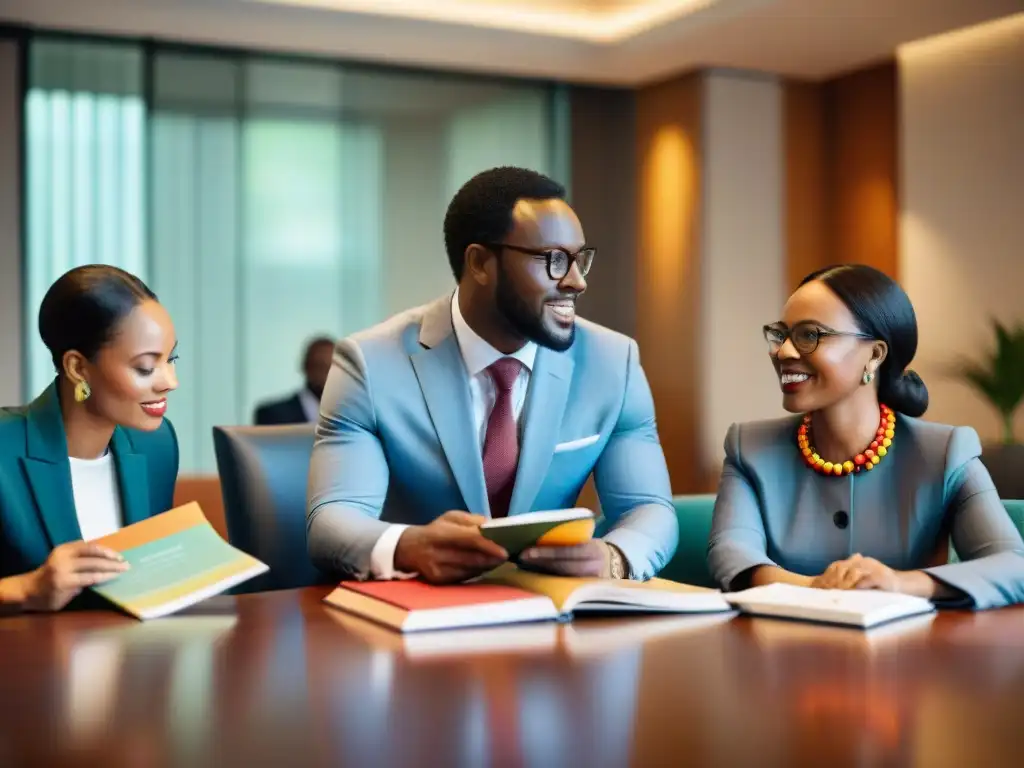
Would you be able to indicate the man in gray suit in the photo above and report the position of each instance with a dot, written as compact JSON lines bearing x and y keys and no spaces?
{"x":492,"y":401}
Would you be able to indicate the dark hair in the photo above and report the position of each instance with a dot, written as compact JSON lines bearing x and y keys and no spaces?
{"x":313,"y":344}
{"x":481,"y":211}
{"x":882,"y":310}
{"x":81,"y":311}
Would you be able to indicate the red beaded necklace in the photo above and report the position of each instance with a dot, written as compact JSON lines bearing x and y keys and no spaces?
{"x":872,"y":455}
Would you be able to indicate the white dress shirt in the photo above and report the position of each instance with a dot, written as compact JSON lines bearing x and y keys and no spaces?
{"x":310,"y":405}
{"x":477,"y":355}
{"x":97,"y":496}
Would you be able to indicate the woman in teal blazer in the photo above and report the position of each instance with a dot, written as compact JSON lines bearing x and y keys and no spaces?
{"x":857,"y":492}
{"x":93,"y":452}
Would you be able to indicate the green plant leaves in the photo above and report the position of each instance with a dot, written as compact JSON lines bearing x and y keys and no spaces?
{"x":999,"y":376}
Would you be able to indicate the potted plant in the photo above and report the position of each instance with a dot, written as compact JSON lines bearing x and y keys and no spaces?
{"x":999,"y":379}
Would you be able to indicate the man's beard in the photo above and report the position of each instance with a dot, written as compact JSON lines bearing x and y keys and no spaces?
{"x":524,"y":321}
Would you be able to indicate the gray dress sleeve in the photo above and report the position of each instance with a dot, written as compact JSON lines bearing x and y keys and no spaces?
{"x":737,"y":541}
{"x":989,"y":545}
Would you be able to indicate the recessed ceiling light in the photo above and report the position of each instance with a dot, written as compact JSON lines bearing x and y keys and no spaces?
{"x":610,"y":24}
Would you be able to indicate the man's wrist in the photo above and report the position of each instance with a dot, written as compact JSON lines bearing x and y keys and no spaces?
{"x":405,"y":540}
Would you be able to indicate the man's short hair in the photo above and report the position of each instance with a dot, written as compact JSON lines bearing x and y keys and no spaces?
{"x":481,"y":211}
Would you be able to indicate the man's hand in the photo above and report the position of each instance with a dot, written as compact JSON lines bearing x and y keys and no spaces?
{"x":68,"y":570}
{"x":858,"y":572}
{"x":592,"y":559}
{"x":448,"y":550}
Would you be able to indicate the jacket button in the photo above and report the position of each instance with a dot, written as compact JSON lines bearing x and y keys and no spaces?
{"x":841,"y":519}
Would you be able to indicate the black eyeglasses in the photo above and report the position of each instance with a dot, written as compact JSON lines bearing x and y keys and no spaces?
{"x":805,"y":336}
{"x":559,"y":261}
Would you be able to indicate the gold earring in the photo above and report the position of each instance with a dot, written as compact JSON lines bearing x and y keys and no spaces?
{"x":867,"y":378}
{"x":82,"y":392}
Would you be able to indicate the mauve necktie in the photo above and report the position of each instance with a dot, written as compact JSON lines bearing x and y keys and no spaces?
{"x":501,"y":443}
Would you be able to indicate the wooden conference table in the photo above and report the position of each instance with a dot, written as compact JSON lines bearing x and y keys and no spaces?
{"x":280,"y":679}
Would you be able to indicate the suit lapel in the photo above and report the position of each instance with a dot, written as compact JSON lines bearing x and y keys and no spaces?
{"x":545,"y":404}
{"x":132,"y":477}
{"x":296,"y":413}
{"x":443,"y":381}
{"x":48,"y":470}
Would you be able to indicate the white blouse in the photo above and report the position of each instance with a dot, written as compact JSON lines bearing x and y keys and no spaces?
{"x":97,"y":496}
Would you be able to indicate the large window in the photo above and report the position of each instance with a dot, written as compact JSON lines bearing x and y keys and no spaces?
{"x":85,"y":119}
{"x":264,"y":200}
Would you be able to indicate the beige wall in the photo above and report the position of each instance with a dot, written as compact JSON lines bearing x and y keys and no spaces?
{"x":962,"y":222}
{"x":10,"y":226}
{"x":743,"y":278}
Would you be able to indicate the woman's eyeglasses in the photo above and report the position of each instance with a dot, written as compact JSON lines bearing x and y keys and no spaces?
{"x":559,"y":261}
{"x":805,"y":336}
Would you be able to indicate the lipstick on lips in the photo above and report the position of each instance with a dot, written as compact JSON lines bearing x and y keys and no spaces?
{"x":791,"y":381}
{"x":157,"y":408}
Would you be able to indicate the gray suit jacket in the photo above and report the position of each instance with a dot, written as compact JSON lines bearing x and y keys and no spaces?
{"x":396,"y":443}
{"x":774,"y":510}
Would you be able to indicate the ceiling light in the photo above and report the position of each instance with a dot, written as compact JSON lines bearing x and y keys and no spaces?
{"x":607,"y":26}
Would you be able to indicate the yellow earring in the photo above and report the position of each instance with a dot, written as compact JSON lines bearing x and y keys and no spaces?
{"x":82,"y":392}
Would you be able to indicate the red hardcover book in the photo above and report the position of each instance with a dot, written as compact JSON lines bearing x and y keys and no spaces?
{"x":410,"y":606}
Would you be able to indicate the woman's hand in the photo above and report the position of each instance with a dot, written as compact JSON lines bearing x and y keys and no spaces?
{"x":68,"y":570}
{"x":859,"y":572}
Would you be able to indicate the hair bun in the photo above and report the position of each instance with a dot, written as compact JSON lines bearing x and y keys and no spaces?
{"x":906,"y":394}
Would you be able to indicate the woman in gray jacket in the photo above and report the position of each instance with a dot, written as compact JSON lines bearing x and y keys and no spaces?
{"x":855,"y":492}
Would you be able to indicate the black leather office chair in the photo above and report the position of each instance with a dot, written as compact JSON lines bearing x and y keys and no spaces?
{"x":263,"y":475}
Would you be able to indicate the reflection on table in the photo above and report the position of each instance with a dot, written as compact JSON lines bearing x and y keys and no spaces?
{"x":280,"y":678}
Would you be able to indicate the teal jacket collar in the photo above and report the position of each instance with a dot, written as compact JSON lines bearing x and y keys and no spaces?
{"x":49,"y":471}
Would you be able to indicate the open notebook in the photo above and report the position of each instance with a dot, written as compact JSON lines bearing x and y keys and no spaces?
{"x":859,"y":608}
{"x":575,"y":595}
{"x":508,"y":595}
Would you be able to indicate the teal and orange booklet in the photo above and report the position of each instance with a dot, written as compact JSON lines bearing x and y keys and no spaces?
{"x":177,"y":559}
{"x":552,"y":528}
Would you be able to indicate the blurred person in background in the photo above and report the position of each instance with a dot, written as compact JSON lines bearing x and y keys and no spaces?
{"x":304,"y":405}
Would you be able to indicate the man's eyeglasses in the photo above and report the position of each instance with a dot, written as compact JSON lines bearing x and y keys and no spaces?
{"x":559,"y":261}
{"x":805,"y":336}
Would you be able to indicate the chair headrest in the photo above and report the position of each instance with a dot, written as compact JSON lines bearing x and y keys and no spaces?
{"x":264,"y":472}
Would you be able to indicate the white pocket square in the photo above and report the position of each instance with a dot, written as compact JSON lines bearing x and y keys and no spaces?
{"x":575,"y":445}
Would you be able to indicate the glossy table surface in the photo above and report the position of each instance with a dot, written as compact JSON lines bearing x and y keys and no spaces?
{"x":281,"y":679}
